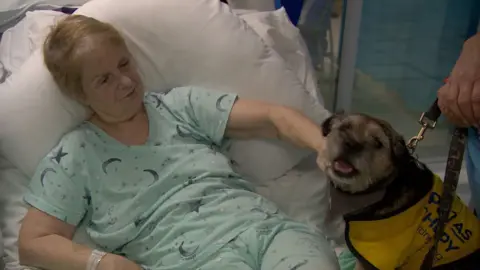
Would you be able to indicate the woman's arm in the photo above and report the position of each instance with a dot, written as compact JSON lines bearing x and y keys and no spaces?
{"x":256,"y":119}
{"x":46,"y":242}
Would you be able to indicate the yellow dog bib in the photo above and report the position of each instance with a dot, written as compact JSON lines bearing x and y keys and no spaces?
{"x":402,"y":241}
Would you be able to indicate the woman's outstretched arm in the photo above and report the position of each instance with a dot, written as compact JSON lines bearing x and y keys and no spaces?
{"x":46,"y":242}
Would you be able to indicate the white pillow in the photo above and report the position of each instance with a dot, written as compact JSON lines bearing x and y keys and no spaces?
{"x":259,"y":5}
{"x":33,"y":114}
{"x":209,"y":46}
{"x":13,"y":184}
{"x":278,"y":32}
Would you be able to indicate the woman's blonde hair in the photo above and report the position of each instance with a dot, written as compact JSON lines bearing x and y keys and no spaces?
{"x":65,"y":45}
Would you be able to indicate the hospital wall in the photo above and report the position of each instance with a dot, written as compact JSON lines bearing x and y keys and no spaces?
{"x":411,"y":45}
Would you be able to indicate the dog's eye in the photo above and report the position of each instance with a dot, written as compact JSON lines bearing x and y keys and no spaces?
{"x":377,"y":143}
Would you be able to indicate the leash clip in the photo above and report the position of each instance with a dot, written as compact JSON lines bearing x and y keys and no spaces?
{"x":426,"y":124}
{"x":428,"y":120}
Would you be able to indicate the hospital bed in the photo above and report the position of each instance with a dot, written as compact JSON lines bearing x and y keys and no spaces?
{"x":255,"y":48}
{"x":293,"y":182}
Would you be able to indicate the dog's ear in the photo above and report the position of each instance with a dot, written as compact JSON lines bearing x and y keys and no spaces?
{"x":400,"y":153}
{"x":327,"y":125}
{"x":399,"y":149}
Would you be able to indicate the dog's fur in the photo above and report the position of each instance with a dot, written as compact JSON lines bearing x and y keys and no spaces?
{"x":377,"y":153}
{"x":379,"y":159}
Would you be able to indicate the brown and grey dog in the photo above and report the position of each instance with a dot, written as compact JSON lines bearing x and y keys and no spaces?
{"x":364,"y":154}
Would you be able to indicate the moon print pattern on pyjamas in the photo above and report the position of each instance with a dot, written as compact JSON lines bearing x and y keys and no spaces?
{"x":172,"y":202}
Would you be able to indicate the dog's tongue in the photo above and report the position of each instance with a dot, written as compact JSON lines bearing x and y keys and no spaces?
{"x":342,"y":166}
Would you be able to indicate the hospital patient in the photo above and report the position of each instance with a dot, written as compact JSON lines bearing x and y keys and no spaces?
{"x":147,"y":174}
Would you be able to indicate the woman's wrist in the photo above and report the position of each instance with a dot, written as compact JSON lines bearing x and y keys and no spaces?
{"x":116,"y":262}
{"x":107,"y":262}
{"x":95,"y":258}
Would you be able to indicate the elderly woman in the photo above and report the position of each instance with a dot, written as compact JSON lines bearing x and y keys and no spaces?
{"x":147,"y":173}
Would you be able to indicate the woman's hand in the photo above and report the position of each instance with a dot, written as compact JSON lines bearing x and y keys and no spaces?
{"x":115,"y":262}
{"x":459,"y":98}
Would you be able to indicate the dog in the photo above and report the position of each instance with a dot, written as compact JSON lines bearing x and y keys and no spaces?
{"x":363,"y":154}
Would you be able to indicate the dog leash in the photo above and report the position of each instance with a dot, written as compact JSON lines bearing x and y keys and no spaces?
{"x":428,"y":120}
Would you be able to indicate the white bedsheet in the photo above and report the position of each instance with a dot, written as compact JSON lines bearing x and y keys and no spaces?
{"x":277,"y":32}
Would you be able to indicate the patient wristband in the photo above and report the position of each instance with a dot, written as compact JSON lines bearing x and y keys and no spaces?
{"x":95,"y":259}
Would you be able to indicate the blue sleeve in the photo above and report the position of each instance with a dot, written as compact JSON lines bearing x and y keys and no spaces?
{"x":202,"y":111}
{"x":57,"y":187}
{"x":472,"y":160}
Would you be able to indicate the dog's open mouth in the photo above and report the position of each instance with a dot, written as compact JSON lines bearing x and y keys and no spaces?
{"x":343,"y":168}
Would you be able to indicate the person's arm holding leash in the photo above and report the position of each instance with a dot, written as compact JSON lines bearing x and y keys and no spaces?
{"x":459,"y":98}
{"x":459,"y":101}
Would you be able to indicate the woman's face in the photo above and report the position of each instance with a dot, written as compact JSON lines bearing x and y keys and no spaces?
{"x":111,"y":84}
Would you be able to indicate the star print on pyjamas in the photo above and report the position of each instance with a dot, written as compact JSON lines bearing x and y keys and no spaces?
{"x":151,"y":226}
{"x":195,"y":205}
{"x":213,"y":148}
{"x":87,"y":197}
{"x":183,"y":133}
{"x":140,"y":221}
{"x":59,"y":155}
{"x":112,"y":221}
{"x":167,"y":161}
{"x":57,"y":158}
{"x":189,"y":182}
{"x":264,"y":229}
{"x":158,"y":100}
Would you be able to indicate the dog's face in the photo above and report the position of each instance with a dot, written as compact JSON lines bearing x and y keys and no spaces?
{"x":360,"y":151}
